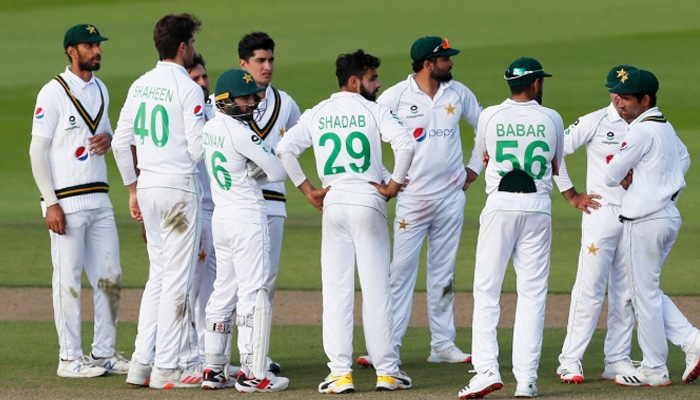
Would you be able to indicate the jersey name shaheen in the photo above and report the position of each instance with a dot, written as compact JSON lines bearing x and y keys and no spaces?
{"x":520,"y":135}
{"x":163,"y":115}
{"x":602,"y":132}
{"x":346,"y":132}
{"x":438,"y":162}
{"x":228,"y":145}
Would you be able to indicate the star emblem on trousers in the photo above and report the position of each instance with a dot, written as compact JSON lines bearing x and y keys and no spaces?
{"x":202,"y":255}
{"x":403,"y":224}
{"x":593,"y":250}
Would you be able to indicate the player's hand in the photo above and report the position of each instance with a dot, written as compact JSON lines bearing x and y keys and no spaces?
{"x":388,"y":191}
{"x":135,"y":209}
{"x":471,"y":177}
{"x":627,"y":181}
{"x":143,"y":233}
{"x":485,"y":160}
{"x":405,"y":183}
{"x":99,"y":144}
{"x":582,"y":201}
{"x":254,"y":171}
{"x":316,"y":196}
{"x":56,"y":219}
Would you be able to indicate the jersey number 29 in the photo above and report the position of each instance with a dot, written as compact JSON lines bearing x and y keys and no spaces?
{"x":363,"y":154}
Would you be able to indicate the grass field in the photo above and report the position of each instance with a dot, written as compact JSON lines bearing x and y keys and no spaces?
{"x":577,"y":41}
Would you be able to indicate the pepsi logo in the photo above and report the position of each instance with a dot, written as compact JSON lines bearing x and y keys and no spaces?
{"x":81,"y":153}
{"x":624,"y":146}
{"x":39,"y":113}
{"x":198,"y":111}
{"x":419,"y":134}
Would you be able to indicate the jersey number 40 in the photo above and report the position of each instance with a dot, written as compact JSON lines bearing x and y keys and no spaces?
{"x":158,"y":114}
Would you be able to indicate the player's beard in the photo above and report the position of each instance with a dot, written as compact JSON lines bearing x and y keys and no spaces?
{"x":90,"y":64}
{"x":367,"y":94}
{"x":441,"y":75}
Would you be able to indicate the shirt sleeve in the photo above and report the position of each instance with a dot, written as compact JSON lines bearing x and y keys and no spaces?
{"x":636,"y":144}
{"x":122,"y":141}
{"x":46,"y":112}
{"x":291,"y":146}
{"x":253,"y":148}
{"x":193,"y":104}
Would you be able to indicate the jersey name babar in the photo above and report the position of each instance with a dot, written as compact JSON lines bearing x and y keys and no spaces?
{"x":520,"y":130}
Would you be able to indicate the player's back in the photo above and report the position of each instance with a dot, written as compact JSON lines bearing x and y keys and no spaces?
{"x":166,"y":106}
{"x":346,"y":142}
{"x":524,"y":136}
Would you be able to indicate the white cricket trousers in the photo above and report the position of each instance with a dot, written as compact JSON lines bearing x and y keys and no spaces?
{"x":203,"y":283}
{"x":170,"y":205}
{"x":517,"y":226}
{"x":275,"y":224}
{"x":242,"y":265}
{"x":600,"y":266}
{"x":356,"y":234}
{"x":442,"y":220}
{"x":648,"y":241}
{"x":91,"y":241}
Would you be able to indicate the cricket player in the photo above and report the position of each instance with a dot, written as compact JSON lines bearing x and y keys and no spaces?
{"x":241,"y":239}
{"x":651,"y":164}
{"x":600,"y":263}
{"x":163,"y":115}
{"x":346,"y":132}
{"x":71,"y":133}
{"x":205,"y":271}
{"x":431,"y":105}
{"x":523,"y":143}
{"x":276,"y":113}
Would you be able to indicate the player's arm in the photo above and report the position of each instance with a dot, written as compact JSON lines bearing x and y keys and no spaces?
{"x":581,"y":201}
{"x":262,"y":156}
{"x":288,"y":150}
{"x":194,"y":121}
{"x":399,"y":138}
{"x":125,"y":155}
{"x":43,"y":127}
{"x":618,"y":172}
{"x":471,"y":112}
{"x":38,"y":154}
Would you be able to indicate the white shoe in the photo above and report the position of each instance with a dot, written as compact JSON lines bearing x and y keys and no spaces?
{"x":80,"y":368}
{"x":168,"y":378}
{"x":526,"y":391}
{"x":620,"y":367}
{"x":400,"y":381}
{"x":570,"y":371}
{"x":482,"y":384}
{"x":452,"y":355}
{"x":139,"y":374}
{"x":246,"y":383}
{"x":692,"y":361}
{"x":215,"y":378}
{"x":116,"y":364}
{"x":338,"y":384}
{"x":643,"y":378}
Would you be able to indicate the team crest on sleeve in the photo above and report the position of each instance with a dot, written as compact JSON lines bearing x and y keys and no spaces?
{"x":198,"y":111}
{"x":39,"y":113}
{"x":81,"y":153}
{"x":419,"y":134}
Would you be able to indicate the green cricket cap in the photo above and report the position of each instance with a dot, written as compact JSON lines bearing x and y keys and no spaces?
{"x":235,"y":83}
{"x":617,"y":74}
{"x":523,"y":71}
{"x":431,"y":46}
{"x":82,"y":33}
{"x":638,"y":81}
